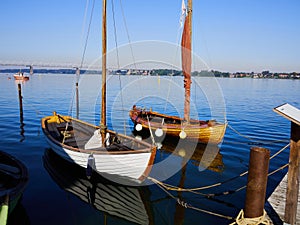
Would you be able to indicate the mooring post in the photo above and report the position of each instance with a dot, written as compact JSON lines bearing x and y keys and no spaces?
{"x":257,"y":182}
{"x":77,"y":73}
{"x":77,"y":101}
{"x":20,"y":101}
{"x":293,"y":176}
{"x":31,"y":69}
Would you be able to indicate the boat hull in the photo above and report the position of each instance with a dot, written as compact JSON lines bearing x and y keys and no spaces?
{"x":131,"y":164}
{"x":13,"y":180}
{"x":200,"y":131}
{"x":23,"y":78}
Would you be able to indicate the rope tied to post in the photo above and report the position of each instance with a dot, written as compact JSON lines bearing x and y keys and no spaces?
{"x":241,"y":220}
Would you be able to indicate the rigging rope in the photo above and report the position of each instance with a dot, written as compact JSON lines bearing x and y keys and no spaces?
{"x":127,"y":32}
{"x":84,"y":51}
{"x":118,"y":63}
{"x":87,"y":35}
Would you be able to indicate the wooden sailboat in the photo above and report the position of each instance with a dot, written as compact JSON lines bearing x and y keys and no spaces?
{"x":202,"y":131}
{"x":96,"y":147}
{"x":126,"y":203}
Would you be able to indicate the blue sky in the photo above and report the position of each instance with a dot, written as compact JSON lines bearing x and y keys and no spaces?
{"x":228,"y":35}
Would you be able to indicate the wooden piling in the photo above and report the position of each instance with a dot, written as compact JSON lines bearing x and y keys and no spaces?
{"x":22,"y":131}
{"x":31,"y":69}
{"x":257,"y":182}
{"x":77,"y":101}
{"x":293,"y":176}
{"x":20,"y":101}
{"x":77,"y":92}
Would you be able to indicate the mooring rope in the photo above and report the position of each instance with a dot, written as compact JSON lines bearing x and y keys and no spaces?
{"x":197,"y":189}
{"x":209,"y":195}
{"x":254,"y":141}
{"x":186,"y":205}
{"x":241,"y":220}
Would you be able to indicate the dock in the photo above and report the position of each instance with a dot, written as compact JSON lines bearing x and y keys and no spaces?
{"x":278,"y":198}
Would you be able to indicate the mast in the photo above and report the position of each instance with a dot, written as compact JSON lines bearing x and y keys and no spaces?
{"x":186,"y":60}
{"x":103,"y":105}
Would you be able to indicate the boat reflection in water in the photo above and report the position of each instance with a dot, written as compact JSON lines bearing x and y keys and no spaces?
{"x":124,"y":202}
{"x":204,"y":156}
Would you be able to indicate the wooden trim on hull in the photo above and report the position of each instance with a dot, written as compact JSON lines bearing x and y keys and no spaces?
{"x":198,"y":130}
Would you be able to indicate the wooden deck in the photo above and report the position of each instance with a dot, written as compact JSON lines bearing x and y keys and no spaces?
{"x":277,"y":200}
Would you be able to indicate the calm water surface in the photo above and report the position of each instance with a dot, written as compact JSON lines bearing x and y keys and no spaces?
{"x":58,"y":193}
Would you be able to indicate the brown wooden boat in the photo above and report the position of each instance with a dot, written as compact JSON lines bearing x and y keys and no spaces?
{"x":209,"y":131}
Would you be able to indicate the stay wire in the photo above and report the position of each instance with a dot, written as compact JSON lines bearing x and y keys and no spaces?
{"x":128,"y":37}
{"x":118,"y":63}
{"x":87,"y":35}
{"x":84,"y":50}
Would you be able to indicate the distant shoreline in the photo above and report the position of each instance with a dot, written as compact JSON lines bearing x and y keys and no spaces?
{"x":167,"y":72}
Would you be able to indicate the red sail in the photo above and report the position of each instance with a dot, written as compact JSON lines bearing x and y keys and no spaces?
{"x":186,"y":61}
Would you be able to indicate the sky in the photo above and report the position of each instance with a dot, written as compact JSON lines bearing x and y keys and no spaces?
{"x":228,"y":35}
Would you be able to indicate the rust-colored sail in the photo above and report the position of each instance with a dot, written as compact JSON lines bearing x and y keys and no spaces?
{"x":186,"y":61}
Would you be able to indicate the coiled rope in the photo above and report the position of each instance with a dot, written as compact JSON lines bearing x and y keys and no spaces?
{"x":241,"y":220}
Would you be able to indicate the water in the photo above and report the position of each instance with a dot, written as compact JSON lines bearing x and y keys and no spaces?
{"x":50,"y":198}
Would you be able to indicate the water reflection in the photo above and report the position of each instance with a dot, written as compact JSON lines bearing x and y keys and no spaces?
{"x":204,"y":156}
{"x":129,"y":204}
{"x":19,"y":216}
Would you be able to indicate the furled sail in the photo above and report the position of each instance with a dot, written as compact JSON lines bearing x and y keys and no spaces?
{"x":186,"y":61}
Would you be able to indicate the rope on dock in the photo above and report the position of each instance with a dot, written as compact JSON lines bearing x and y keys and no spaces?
{"x":241,"y":220}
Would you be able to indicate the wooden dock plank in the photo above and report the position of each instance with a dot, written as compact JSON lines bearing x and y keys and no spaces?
{"x":278,"y":198}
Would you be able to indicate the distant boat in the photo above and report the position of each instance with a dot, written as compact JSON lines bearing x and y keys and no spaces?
{"x":209,"y":131}
{"x":96,"y":147}
{"x":126,"y":203}
{"x":20,"y":76}
{"x":13,"y":180}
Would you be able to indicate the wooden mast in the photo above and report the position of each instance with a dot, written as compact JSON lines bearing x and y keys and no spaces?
{"x":103,"y":106}
{"x":186,"y":60}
